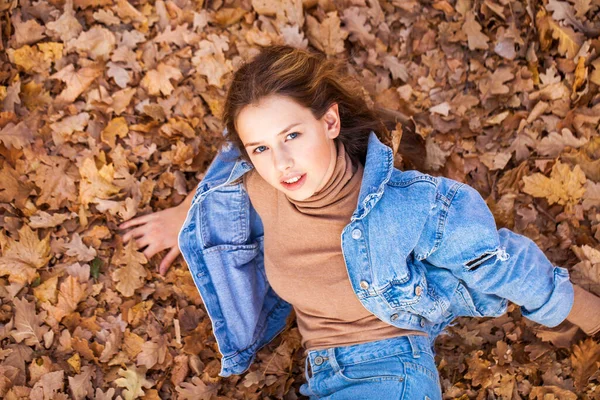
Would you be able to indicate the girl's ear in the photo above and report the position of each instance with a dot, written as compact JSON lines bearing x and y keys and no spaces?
{"x":332,"y":121}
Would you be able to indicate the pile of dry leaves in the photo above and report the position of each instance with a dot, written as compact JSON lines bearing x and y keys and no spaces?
{"x":110,"y":109}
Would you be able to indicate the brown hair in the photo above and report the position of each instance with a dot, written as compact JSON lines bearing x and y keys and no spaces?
{"x":313,"y":81}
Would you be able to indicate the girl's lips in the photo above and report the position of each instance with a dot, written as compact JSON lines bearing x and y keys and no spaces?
{"x":296,"y":185}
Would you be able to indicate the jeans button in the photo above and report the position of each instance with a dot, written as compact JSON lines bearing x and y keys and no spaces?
{"x":318,"y":360}
{"x":364,"y":284}
{"x":418,"y":290}
{"x":356,"y":234}
{"x":394,"y":317}
{"x":422,"y":322}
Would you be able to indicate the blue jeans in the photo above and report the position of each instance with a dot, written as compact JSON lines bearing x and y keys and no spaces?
{"x":396,"y":369}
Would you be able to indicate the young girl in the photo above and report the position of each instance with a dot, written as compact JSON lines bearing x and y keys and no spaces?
{"x":302,"y":209}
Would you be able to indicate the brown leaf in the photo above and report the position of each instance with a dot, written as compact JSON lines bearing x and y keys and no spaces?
{"x":21,"y":259}
{"x":585,"y":359}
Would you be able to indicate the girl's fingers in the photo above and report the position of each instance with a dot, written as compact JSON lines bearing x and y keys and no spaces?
{"x":137,"y":221}
{"x":168,"y":260}
{"x":134,"y":233}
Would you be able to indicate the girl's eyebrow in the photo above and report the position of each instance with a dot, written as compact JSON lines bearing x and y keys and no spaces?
{"x":280,"y":133}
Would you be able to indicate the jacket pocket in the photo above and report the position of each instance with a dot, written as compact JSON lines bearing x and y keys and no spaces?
{"x":414,"y":295}
{"x":470,"y":303}
{"x":239,"y":289}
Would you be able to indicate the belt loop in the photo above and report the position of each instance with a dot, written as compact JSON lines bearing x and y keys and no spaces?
{"x":332,"y":359}
{"x":413,"y":346}
{"x":307,"y":367}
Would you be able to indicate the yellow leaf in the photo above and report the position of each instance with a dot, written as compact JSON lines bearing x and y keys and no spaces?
{"x":564,"y":186}
{"x":75,"y":362}
{"x":131,"y":276}
{"x":157,"y":81}
{"x":21,"y":259}
{"x":116,"y":127}
{"x":47,"y":291}
{"x":133,"y":380}
{"x":95,"y":183}
{"x":29,"y":59}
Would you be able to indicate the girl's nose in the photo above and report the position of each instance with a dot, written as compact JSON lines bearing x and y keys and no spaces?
{"x":282,"y":160}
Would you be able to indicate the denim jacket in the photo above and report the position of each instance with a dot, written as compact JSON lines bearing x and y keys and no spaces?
{"x":419,"y":250}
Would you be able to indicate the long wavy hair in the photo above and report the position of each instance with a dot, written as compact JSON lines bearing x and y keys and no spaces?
{"x":313,"y":81}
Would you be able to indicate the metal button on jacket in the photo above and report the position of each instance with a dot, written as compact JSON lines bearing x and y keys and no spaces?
{"x":356,"y":234}
{"x":318,"y":360}
{"x":364,"y":284}
{"x":394,"y":317}
{"x":418,"y":290}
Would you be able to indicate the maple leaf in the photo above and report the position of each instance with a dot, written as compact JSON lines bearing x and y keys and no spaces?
{"x":564,"y":186}
{"x":70,"y":294}
{"x":585,"y":359}
{"x":21,"y":259}
{"x":157,"y":81}
{"x":76,"y":81}
{"x":197,"y":389}
{"x":476,"y":40}
{"x":327,"y":35}
{"x":95,"y":183}
{"x":131,"y":276}
{"x":12,"y":187}
{"x":56,"y":177}
{"x":117,"y":127}
{"x":134,"y":381}
{"x":28,"y":323}
{"x":97,"y":43}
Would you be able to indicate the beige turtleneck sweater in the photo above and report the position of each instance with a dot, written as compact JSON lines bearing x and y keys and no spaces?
{"x":305,"y":266}
{"x":304,"y":262}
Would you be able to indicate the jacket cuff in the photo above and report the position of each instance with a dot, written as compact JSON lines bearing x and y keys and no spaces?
{"x":559,"y":304}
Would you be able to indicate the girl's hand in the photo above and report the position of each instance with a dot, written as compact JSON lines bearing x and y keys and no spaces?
{"x":158,"y":231}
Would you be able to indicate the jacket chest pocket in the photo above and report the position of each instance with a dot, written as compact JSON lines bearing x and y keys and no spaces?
{"x":413,"y":295}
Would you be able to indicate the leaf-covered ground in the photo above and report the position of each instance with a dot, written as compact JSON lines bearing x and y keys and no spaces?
{"x":110,"y":109}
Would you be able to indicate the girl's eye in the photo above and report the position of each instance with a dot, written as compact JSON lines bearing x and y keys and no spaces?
{"x":258,"y":152}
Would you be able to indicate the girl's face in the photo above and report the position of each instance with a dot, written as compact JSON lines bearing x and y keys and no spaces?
{"x":284,"y":141}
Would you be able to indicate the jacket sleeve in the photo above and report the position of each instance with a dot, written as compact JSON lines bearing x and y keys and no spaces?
{"x":499,"y":262}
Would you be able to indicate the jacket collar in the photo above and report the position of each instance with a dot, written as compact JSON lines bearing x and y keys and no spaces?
{"x":377,"y":172}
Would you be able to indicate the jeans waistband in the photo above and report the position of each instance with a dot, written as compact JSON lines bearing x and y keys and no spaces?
{"x":333,"y":357}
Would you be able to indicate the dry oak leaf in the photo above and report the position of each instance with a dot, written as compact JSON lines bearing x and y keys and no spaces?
{"x":564,"y":186}
{"x":494,"y":84}
{"x":553,"y":144}
{"x":157,"y":81}
{"x":355,"y":23}
{"x":197,"y":389}
{"x":587,"y":272}
{"x":591,"y":198}
{"x":48,"y":386}
{"x":471,"y":28}
{"x":585,"y":359}
{"x":29,"y":59}
{"x":551,"y":392}
{"x":76,"y":81}
{"x":16,"y":136}
{"x":327,"y":36}
{"x":28,"y":326}
{"x":95,"y":183}
{"x":132,"y":274}
{"x":80,"y":385}
{"x":21,"y":259}
{"x":569,"y":41}
{"x":153,"y":352}
{"x":134,"y":381}
{"x":127,"y":12}
{"x":76,"y":248}
{"x":47,"y":291}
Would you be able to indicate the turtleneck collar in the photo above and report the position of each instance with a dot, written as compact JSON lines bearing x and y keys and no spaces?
{"x":345,"y":181}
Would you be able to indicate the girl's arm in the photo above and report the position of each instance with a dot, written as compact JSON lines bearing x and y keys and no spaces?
{"x":501,"y":262}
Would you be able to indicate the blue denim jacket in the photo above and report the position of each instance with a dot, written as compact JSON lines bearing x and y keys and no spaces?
{"x":419,"y":250}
